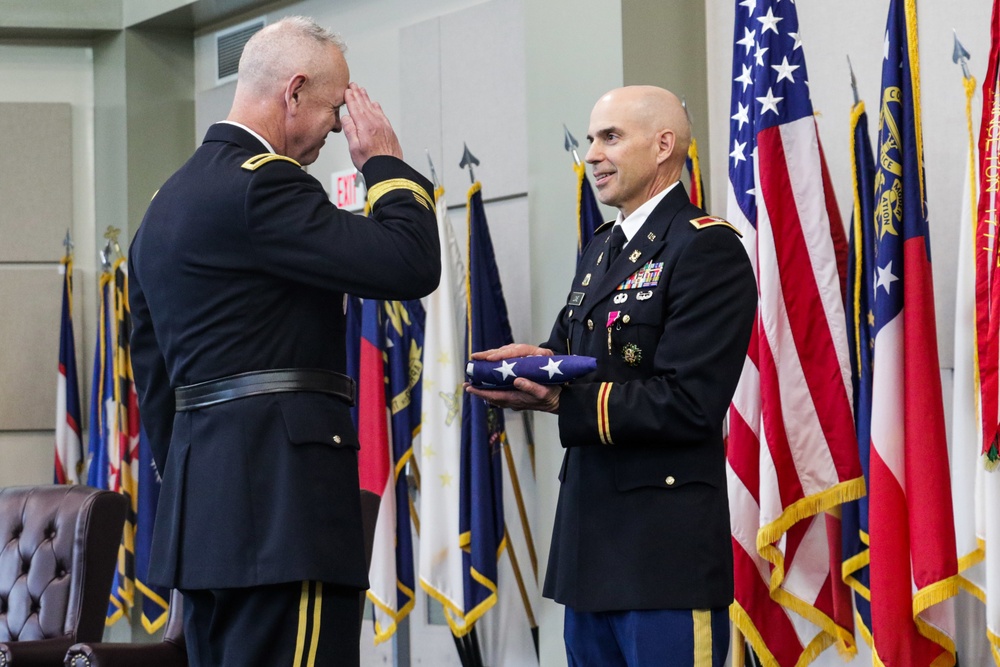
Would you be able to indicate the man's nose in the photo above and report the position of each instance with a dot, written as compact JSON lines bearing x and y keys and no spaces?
{"x":592,"y":156}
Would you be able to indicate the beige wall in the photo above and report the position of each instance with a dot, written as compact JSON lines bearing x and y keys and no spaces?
{"x":31,"y":291}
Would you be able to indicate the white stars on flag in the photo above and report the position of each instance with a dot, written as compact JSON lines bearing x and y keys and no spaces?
{"x":506,"y":369}
{"x":769,"y":22}
{"x":552,"y":368}
{"x":769,"y":102}
{"x":744,"y":78}
{"x":737,"y":153}
{"x":759,"y":55}
{"x":785,"y":70}
{"x":742,"y":114}
{"x":884,"y":277}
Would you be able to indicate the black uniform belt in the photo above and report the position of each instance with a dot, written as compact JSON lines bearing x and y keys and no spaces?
{"x":276,"y":381}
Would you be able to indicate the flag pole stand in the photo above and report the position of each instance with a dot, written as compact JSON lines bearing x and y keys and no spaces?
{"x":739,"y":649}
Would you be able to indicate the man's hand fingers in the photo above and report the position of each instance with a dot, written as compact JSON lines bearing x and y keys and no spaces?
{"x":533,"y":389}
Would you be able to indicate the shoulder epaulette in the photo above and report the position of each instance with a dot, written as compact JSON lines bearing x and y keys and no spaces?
{"x":604,"y":226}
{"x":258,"y":161}
{"x":711,"y":221}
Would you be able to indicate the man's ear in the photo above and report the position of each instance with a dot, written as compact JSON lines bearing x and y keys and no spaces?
{"x":293,"y":91}
{"x":666,"y":141}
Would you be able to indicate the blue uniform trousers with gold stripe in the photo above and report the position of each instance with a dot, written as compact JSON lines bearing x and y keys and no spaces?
{"x":647,"y":638}
{"x":297,"y":624}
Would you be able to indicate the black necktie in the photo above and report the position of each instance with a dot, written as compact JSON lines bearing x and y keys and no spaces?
{"x":616,"y":244}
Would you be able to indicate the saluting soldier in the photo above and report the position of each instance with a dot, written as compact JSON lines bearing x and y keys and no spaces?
{"x":238,"y":280}
{"x":664,"y":298}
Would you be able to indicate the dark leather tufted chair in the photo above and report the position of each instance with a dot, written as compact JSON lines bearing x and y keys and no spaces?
{"x":171,"y":651}
{"x":58,"y":546}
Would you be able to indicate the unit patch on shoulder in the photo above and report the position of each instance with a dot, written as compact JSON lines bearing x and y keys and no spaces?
{"x":711,"y":221}
{"x":258,"y":161}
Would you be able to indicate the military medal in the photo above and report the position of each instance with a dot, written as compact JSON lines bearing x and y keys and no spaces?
{"x":632,"y":354}
{"x":642,"y":296}
{"x":612,"y":318}
{"x":621,"y":297}
{"x":634,"y":257}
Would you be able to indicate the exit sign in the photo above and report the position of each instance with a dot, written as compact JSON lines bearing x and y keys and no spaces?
{"x":347,"y":190}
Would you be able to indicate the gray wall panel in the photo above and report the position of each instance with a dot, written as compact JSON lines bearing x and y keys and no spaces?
{"x":36,"y":180}
{"x":27,"y":458}
{"x":483,"y":88}
{"x":30,"y":299}
{"x":420,"y":125}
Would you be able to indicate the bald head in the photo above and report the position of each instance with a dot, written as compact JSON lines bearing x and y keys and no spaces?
{"x":639,"y":140}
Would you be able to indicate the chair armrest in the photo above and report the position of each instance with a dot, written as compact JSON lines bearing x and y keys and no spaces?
{"x":34,"y":653}
{"x":157,"y":654}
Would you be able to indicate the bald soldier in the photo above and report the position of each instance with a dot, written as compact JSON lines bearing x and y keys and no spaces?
{"x":238,"y":277}
{"x":664,"y":298}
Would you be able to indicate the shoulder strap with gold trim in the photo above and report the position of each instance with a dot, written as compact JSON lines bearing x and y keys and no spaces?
{"x":379,"y":190}
{"x":604,"y":226}
{"x":706,"y":221}
{"x":258,"y":161}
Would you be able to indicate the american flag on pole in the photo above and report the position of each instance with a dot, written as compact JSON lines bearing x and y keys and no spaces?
{"x":792,"y":451}
{"x":912,"y":550}
{"x":69,"y":445}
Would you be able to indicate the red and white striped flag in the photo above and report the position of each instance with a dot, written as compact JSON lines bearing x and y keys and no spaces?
{"x":792,"y":447}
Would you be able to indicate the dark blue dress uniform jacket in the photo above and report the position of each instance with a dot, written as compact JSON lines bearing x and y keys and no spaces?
{"x":642,"y":520}
{"x":237,"y":269}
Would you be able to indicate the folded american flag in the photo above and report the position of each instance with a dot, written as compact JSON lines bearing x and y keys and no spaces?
{"x":556,"y":369}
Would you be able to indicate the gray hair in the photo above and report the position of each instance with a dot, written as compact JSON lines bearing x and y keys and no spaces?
{"x":292,"y":42}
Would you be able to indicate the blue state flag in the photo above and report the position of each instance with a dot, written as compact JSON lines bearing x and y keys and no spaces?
{"x":404,"y":343}
{"x":860,"y":297}
{"x":588,"y":213}
{"x":155,"y":600}
{"x":481,"y":519}
{"x":102,"y":465}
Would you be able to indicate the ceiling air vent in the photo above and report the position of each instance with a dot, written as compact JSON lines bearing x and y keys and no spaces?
{"x":229,"y":45}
